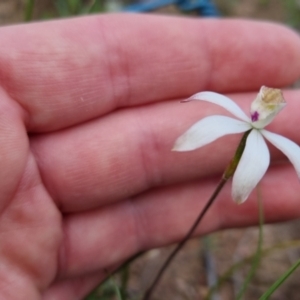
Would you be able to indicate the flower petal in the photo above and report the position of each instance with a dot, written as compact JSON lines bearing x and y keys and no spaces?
{"x":251,"y":168}
{"x":223,"y":101}
{"x":207,"y":130}
{"x":288,"y":147}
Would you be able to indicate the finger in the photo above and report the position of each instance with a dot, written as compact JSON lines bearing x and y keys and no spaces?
{"x":102,"y":238}
{"x":75,"y":288}
{"x":66,"y":72}
{"x":14,"y":148}
{"x":129,"y":152}
{"x":30,"y":236}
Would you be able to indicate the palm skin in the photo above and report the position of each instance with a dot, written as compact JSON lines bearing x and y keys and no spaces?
{"x":89,"y":112}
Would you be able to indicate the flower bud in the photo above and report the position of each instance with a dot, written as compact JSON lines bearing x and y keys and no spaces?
{"x":268,"y":103}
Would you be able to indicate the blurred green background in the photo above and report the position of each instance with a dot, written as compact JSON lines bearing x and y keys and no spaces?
{"x":12,"y":11}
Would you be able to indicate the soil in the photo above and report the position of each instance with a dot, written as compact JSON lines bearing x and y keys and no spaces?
{"x":187,"y":278}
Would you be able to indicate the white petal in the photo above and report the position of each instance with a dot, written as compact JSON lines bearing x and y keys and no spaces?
{"x":288,"y":147}
{"x":251,"y":168}
{"x":207,"y":130}
{"x":223,"y":101}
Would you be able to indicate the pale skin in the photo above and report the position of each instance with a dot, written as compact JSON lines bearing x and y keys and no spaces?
{"x":89,"y":112}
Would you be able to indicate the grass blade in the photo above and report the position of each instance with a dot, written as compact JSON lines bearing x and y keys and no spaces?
{"x":29,"y":10}
{"x":279,"y":282}
{"x":257,"y":256}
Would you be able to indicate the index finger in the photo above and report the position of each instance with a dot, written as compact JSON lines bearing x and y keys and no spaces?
{"x":66,"y":72}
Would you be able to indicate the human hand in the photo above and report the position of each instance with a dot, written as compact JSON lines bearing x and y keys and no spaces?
{"x":89,"y":114}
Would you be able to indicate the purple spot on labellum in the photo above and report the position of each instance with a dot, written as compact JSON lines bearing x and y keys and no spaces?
{"x":254,"y":116}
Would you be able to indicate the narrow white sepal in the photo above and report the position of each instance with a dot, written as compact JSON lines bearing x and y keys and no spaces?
{"x":251,"y":168}
{"x":208,"y":130}
{"x":223,"y":101}
{"x":288,"y":147}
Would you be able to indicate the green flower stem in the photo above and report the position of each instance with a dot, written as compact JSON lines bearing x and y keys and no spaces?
{"x":227,"y":174}
{"x":184,"y":240}
{"x":237,"y":156}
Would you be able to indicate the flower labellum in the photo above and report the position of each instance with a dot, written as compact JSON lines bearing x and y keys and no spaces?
{"x":268,"y":103}
{"x":255,"y":159}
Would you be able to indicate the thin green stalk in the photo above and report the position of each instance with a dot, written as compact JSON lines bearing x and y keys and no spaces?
{"x":209,"y":263}
{"x":124,"y":280}
{"x":227,"y":174}
{"x":73,"y":6}
{"x":29,"y":10}
{"x":96,"y":6}
{"x":110,"y":274}
{"x":116,"y":289}
{"x":257,"y":255}
{"x":280,"y":281}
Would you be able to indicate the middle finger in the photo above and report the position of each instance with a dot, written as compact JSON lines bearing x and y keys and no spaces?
{"x":129,"y":152}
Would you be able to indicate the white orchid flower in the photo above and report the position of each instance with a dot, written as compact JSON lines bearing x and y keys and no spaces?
{"x":256,"y":156}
